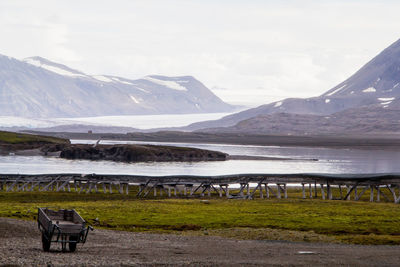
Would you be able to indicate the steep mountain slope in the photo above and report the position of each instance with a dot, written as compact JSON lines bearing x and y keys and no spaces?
{"x":372,"y":119}
{"x":36,"y":87}
{"x":378,"y":82}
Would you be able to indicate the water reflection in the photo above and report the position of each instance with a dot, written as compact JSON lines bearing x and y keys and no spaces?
{"x":329,"y":161}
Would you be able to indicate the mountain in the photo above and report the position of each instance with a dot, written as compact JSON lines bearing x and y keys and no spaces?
{"x":372,"y":119}
{"x":376,"y":83}
{"x":37,"y":87}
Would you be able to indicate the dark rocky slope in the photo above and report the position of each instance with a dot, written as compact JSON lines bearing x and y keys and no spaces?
{"x":367,"y":120}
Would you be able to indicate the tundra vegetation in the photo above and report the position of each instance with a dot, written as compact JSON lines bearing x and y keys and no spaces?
{"x":11,"y":138}
{"x":292,"y":219}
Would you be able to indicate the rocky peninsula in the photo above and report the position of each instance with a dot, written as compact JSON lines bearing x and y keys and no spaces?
{"x":139,"y":153}
{"x":31,"y":145}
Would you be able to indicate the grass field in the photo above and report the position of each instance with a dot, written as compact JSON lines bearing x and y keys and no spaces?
{"x":285,"y":219}
{"x":19,"y":138}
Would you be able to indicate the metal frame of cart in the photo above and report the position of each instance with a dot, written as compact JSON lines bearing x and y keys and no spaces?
{"x":62,"y":226}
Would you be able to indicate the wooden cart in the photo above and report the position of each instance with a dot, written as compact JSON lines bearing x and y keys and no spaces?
{"x":62,"y":226}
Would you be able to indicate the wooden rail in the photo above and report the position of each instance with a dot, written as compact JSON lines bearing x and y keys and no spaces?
{"x":248,"y":186}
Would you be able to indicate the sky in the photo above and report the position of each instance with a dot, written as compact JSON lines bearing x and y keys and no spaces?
{"x":249,"y":52}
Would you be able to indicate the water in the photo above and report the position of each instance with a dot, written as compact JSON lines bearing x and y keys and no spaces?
{"x":329,"y":161}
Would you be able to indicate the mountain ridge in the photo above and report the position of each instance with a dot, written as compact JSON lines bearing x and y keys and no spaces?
{"x":366,"y":120}
{"x":37,"y":87}
{"x":376,"y":83}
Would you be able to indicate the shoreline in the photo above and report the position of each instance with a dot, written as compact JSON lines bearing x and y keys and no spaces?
{"x":355,"y":142}
{"x":245,"y":157}
{"x":38,"y":152}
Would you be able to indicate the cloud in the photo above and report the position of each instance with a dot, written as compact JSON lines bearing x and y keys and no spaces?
{"x":29,"y":33}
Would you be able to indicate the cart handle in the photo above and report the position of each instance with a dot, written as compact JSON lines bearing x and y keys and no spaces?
{"x":84,"y":236}
{"x":56,"y":227}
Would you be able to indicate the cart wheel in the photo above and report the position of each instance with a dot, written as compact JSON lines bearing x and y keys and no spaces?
{"x":72,"y":246}
{"x":45,"y":243}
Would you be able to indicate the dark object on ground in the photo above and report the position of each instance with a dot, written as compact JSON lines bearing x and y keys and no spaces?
{"x":139,"y":153}
{"x":63,"y":226}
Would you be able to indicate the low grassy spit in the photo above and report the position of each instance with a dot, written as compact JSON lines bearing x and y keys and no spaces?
{"x":19,"y":138}
{"x":284,"y":219}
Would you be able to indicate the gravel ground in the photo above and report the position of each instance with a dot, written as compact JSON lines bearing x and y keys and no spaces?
{"x":21,"y":245}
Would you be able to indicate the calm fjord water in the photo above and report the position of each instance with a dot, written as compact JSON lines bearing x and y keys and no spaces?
{"x":329,"y":161}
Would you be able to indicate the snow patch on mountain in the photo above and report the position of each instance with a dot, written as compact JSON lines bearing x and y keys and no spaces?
{"x":385,"y":101}
{"x":278,"y":104}
{"x":386,"y":98}
{"x":143,"y":90}
{"x":327,"y":101}
{"x":102,"y":78}
{"x":134,"y":99}
{"x":121,"y":81}
{"x":169,"y":84}
{"x":337,"y":90}
{"x":369,"y":90}
{"x":54,"y":69}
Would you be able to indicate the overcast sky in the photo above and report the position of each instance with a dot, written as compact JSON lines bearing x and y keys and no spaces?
{"x":248,"y":52}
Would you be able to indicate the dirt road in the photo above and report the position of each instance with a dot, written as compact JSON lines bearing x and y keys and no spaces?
{"x":20,"y":245}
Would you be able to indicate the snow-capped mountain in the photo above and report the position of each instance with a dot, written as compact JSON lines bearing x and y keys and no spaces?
{"x":376,"y":83}
{"x":37,"y":87}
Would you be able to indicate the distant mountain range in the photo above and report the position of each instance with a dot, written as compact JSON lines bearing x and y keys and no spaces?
{"x":366,"y":102}
{"x":37,"y":87}
{"x":354,"y":121}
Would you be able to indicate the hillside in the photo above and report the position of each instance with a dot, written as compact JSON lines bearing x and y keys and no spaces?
{"x":37,"y":87}
{"x":365,"y":120}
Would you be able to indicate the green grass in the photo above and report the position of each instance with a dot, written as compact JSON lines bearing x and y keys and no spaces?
{"x":290,"y":219}
{"x":19,"y":138}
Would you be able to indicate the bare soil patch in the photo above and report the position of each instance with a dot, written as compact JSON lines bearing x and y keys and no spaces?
{"x":20,"y":245}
